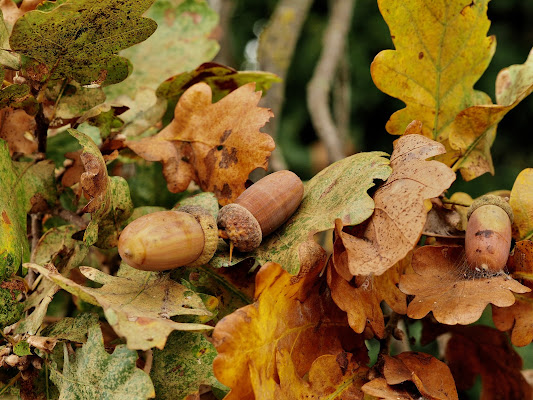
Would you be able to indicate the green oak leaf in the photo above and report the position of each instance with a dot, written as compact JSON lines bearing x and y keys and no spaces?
{"x":80,"y":39}
{"x":337,"y":192}
{"x":220,"y":78}
{"x":207,"y":200}
{"x":23,"y":186}
{"x":182,"y":42}
{"x":183,"y":365}
{"x":73,"y":329}
{"x":92,"y":373}
{"x":137,"y":304}
{"x":12,"y":95}
{"x":10,"y":309}
{"x":110,"y":202}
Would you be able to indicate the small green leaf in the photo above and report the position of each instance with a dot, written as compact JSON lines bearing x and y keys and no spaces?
{"x":22,"y":348}
{"x":183,"y":365}
{"x":92,"y":373}
{"x":80,"y":39}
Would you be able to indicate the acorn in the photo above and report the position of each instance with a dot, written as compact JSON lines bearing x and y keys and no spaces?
{"x":169,"y":239}
{"x":488,"y":233}
{"x":260,"y":210}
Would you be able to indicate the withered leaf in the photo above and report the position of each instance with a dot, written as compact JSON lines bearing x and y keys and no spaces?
{"x":399,"y":214}
{"x":432,"y":378}
{"x":17,"y":129}
{"x":480,"y":350}
{"x":289,"y":315}
{"x":216,"y":145}
{"x":443,"y":284}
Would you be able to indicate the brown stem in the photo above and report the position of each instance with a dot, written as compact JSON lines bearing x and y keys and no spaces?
{"x":390,"y":328}
{"x":319,"y":87}
{"x":71,"y":217}
{"x":41,"y":130}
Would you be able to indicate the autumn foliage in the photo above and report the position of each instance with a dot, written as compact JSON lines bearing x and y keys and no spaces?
{"x":365,"y":291}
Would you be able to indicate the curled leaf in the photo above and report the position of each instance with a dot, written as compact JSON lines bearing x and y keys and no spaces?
{"x":441,"y":284}
{"x":400,"y":215}
{"x":216,"y":145}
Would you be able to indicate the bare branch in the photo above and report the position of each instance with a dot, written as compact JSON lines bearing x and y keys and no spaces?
{"x":319,"y":87}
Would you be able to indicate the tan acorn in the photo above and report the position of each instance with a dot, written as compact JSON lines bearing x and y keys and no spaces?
{"x":488,"y":233}
{"x":260,"y":210}
{"x":169,"y":239}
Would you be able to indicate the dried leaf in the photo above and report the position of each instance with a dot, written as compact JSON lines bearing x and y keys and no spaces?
{"x":289,"y":314}
{"x":216,"y":145}
{"x":518,"y":318}
{"x":399,"y":215}
{"x":13,"y":11}
{"x":441,"y":284}
{"x":220,"y":78}
{"x":183,"y":40}
{"x":521,"y":202}
{"x":474,"y":350}
{"x":109,"y":197}
{"x":80,"y":40}
{"x":183,"y":365}
{"x":14,"y":125}
{"x":362,"y":301}
{"x":138,"y":306}
{"x":474,"y":129}
{"x":24,"y":185}
{"x":325,"y":200}
{"x":332,"y":377}
{"x":94,"y":374}
{"x":435,"y":43}
{"x":431,"y":377}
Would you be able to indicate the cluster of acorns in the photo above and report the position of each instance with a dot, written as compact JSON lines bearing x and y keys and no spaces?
{"x":189,"y":235}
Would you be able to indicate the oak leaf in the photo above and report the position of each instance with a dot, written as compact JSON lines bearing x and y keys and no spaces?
{"x":399,"y":215}
{"x":443,"y":283}
{"x":480,"y":350}
{"x":432,"y":378}
{"x":216,"y":145}
{"x":326,"y":199}
{"x":474,"y":129}
{"x":362,"y":301}
{"x":137,"y":304}
{"x":289,"y":315}
{"x":518,"y":318}
{"x":435,"y":43}
{"x":14,"y":126}
{"x":521,"y":202}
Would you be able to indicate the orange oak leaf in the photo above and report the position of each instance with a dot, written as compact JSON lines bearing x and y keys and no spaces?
{"x":444,"y":284}
{"x":518,"y":318}
{"x":480,"y":350}
{"x":290,"y":314}
{"x":432,"y":378}
{"x":333,"y":377}
{"x":215,"y":144}
{"x":399,"y":214}
{"x":362,"y":300}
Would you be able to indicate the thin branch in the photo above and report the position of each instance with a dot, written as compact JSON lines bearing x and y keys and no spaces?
{"x":71,"y":217}
{"x":41,"y":130}
{"x":342,"y":98}
{"x":390,"y":330}
{"x":319,"y":87}
{"x":274,"y":53}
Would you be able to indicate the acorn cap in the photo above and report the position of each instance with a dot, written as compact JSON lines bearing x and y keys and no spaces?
{"x":491,"y":199}
{"x":209,"y":227}
{"x":241,"y":227}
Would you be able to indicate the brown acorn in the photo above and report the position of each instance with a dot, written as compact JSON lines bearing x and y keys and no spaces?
{"x":169,"y":239}
{"x":488,"y":233}
{"x":260,"y":209}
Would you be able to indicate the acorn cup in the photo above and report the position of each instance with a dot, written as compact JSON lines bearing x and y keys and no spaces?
{"x":260,"y":210}
{"x":169,"y":239}
{"x":488,"y":233}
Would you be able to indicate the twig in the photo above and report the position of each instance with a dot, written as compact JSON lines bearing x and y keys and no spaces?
{"x":390,"y":328}
{"x":71,"y":217}
{"x":319,"y":87}
{"x":341,"y":98}
{"x":41,"y":130}
{"x":274,"y":53}
{"x":148,"y":361}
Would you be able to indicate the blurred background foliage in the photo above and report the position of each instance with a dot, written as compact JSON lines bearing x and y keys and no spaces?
{"x":370,"y":108}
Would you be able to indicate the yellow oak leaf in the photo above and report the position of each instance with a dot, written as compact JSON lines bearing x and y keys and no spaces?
{"x":435,"y":43}
{"x":474,"y":129}
{"x":293,"y":315}
{"x":216,"y":145}
{"x":521,"y":202}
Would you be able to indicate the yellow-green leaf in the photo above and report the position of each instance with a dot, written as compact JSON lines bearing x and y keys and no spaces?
{"x":521,"y":202}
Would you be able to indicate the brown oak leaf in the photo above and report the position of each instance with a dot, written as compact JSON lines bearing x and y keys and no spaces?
{"x":480,"y":350}
{"x":519,"y":317}
{"x":399,"y":215}
{"x":362,"y":301}
{"x":297,"y":316}
{"x":14,"y":124}
{"x":432,"y":378}
{"x":443,"y":284}
{"x":216,"y":145}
